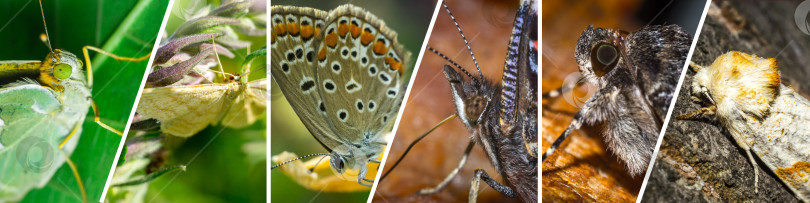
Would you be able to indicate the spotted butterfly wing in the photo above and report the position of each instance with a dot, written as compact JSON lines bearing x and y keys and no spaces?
{"x":341,"y":72}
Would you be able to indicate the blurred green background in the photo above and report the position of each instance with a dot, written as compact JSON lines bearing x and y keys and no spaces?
{"x":223,"y":164}
{"x":73,"y":24}
{"x":410,"y":20}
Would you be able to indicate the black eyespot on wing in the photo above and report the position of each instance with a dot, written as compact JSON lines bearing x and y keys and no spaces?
{"x":360,"y":105}
{"x":310,"y":56}
{"x":329,"y":86}
{"x":306,"y":86}
{"x":321,"y":106}
{"x":299,"y":53}
{"x":336,"y":67}
{"x":290,"y":56}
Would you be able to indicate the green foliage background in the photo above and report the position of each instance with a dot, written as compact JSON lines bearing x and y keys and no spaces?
{"x":71,"y":25}
{"x":410,"y":20}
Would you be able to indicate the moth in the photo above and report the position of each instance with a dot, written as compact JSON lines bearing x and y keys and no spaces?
{"x":180,"y":95}
{"x":341,"y":72}
{"x":745,"y":94}
{"x":502,"y":117}
{"x":636,"y":74}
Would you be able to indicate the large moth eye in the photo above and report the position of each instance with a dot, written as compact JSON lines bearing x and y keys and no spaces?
{"x":62,"y":71}
{"x":604,"y":57}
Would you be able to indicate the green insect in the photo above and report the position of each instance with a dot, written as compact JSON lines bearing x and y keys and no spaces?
{"x":44,"y":105}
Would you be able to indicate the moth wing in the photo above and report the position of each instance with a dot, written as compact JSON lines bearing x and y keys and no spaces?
{"x":783,"y":143}
{"x":184,"y":110}
{"x":30,"y":135}
{"x":248,"y":106}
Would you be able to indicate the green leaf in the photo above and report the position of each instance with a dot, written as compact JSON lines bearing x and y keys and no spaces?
{"x":115,"y":26}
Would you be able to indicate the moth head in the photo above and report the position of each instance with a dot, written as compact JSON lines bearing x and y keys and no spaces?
{"x":598,"y":53}
{"x":737,"y":83}
{"x":60,"y":66}
{"x":468,"y":96}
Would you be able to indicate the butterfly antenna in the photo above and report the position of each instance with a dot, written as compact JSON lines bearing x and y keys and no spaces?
{"x":316,"y":164}
{"x":453,"y":62}
{"x":296,"y":159}
{"x":244,"y":74}
{"x":47,"y":36}
{"x":414,"y":143}
{"x":217,"y":56}
{"x":463,"y":38}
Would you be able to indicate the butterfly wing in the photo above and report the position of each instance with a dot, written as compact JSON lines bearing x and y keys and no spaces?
{"x":293,"y":48}
{"x":360,"y":69}
{"x":185,"y":110}
{"x":30,"y":134}
{"x":519,"y":81}
{"x":248,"y":106}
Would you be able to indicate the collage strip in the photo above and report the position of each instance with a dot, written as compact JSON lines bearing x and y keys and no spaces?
{"x":404,"y":101}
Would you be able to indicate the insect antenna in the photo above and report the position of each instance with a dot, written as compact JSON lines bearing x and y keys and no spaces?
{"x":47,"y":36}
{"x":481,"y":75}
{"x":454,"y":64}
{"x":296,"y":159}
{"x":414,"y":143}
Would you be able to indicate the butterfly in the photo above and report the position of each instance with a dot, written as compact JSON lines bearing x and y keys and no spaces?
{"x":501,"y":116}
{"x":342,"y":73}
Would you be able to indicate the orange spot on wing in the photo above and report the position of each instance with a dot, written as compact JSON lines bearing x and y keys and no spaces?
{"x":379,"y":48}
{"x":293,"y":28}
{"x":394,"y":64}
{"x":280,"y":29}
{"x":307,"y":31}
{"x":322,"y":54}
{"x":331,"y":40}
{"x":365,"y":38}
{"x":355,"y":31}
{"x":343,"y":28}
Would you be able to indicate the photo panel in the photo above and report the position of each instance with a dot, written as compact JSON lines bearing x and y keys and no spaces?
{"x":739,"y":127}
{"x":493,"y":136}
{"x":610,"y":71}
{"x":340,"y":71}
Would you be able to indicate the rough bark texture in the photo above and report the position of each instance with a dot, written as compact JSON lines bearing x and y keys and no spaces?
{"x":700,"y":162}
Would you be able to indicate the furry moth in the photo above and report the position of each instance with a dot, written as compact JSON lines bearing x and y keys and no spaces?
{"x":745,"y":95}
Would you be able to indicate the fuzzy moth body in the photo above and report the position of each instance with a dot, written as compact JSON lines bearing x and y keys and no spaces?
{"x":744,"y":93}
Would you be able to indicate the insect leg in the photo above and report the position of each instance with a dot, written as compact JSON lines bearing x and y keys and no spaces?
{"x":452,"y":174}
{"x":75,"y":174}
{"x":594,"y":105}
{"x":362,"y":177}
{"x":100,"y":51}
{"x":480,"y":174}
{"x":575,"y":124}
{"x":97,"y":119}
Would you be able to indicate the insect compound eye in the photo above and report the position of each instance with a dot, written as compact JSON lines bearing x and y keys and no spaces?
{"x":62,"y":71}
{"x":604,"y":58}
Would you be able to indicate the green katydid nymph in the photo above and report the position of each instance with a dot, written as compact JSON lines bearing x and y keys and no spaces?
{"x":44,"y":106}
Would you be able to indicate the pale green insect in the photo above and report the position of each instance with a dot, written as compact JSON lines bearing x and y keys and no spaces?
{"x":42,"y":106}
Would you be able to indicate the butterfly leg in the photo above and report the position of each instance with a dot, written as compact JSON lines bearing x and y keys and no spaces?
{"x":75,"y":174}
{"x":452,"y":174}
{"x":362,"y":177}
{"x":116,"y":57}
{"x":97,"y":119}
{"x":480,"y":174}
